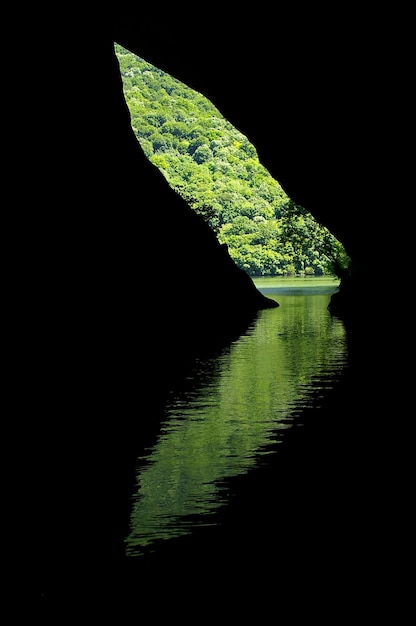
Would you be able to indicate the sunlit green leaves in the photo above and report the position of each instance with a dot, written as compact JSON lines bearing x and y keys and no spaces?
{"x":217,"y":171}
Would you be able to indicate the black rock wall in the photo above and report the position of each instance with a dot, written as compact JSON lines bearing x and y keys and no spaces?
{"x":324,"y":98}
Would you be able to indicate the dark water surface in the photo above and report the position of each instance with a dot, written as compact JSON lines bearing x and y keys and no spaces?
{"x":270,"y":481}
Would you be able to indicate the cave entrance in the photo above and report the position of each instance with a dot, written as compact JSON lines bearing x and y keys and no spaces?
{"x":216,"y":169}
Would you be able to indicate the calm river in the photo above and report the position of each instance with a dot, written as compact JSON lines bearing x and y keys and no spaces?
{"x":229,"y":414}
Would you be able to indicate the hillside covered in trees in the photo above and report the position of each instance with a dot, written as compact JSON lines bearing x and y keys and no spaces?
{"x":217,"y":171}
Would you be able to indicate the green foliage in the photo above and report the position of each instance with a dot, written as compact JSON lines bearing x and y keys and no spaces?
{"x":216,"y":170}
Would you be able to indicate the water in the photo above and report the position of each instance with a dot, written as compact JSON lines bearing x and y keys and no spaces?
{"x":276,"y":474}
{"x":229,"y":414}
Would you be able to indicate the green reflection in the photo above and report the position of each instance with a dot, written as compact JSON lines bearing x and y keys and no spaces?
{"x":237,"y":404}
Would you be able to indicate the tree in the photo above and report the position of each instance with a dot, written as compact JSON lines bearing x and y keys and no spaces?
{"x":216,"y":170}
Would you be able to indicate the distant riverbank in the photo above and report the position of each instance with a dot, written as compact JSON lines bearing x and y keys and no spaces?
{"x":293,"y":284}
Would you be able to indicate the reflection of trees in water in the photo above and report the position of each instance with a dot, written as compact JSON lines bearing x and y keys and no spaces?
{"x":229,"y":409}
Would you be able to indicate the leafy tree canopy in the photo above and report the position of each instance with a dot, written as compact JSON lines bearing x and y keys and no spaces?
{"x":217,"y":171}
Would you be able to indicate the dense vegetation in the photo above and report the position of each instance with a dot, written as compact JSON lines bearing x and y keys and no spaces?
{"x":216,"y":170}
